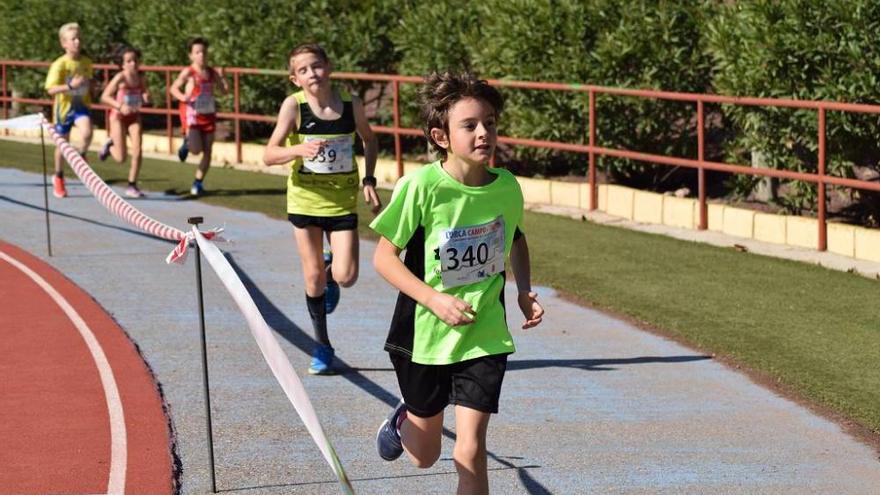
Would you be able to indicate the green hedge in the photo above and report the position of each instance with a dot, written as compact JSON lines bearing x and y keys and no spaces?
{"x":808,"y":49}
{"x":812,"y":50}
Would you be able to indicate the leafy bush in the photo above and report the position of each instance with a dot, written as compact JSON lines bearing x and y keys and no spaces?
{"x":805,"y":49}
{"x":812,"y":50}
{"x":604,"y":42}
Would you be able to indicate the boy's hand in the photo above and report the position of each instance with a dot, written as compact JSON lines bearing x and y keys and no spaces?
{"x":452,"y":310}
{"x":310,"y":149}
{"x":531,"y":309}
{"x":372,"y":198}
{"x":76,"y":81}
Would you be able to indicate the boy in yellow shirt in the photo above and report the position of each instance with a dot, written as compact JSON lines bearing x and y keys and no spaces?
{"x":69,"y":82}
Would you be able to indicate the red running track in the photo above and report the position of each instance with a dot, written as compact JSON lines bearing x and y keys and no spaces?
{"x":80,"y":412}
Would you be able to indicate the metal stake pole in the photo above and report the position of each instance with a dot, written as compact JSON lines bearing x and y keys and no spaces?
{"x":196,"y":221}
{"x":46,"y":193}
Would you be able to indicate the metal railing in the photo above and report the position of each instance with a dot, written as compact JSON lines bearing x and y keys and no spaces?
{"x":592,"y":149}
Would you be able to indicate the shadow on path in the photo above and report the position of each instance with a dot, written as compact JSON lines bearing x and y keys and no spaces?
{"x":597,"y":364}
{"x":286,"y":328}
{"x":87,"y":220}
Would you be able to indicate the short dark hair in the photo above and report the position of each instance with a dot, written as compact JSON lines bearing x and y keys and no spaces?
{"x":307,"y":48}
{"x":198,"y":40}
{"x":119,"y":57}
{"x":442,"y":90}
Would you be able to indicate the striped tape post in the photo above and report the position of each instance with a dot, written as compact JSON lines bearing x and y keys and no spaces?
{"x":121,"y":208}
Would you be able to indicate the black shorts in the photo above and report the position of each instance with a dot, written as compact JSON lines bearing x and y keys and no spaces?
{"x":428,"y":389}
{"x":328,"y":224}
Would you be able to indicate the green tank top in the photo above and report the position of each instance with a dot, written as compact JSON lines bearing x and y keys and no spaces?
{"x":326,"y":185}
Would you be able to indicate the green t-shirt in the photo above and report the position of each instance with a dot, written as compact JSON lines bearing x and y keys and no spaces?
{"x":457,"y":239}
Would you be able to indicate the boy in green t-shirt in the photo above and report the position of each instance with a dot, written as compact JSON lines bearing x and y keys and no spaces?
{"x":458,"y":220}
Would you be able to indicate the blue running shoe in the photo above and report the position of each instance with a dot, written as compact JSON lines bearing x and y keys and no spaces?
{"x":183,"y":151}
{"x":387,"y":438}
{"x":331,"y":293}
{"x":197,"y":188}
{"x":322,"y":361}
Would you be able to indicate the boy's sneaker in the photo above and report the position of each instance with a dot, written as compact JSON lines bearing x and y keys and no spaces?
{"x":133,"y":192}
{"x":322,"y":361}
{"x":331,"y":293}
{"x":183,"y":151}
{"x":388,"y":437}
{"x":105,"y":150}
{"x":58,"y":188}
{"x":197,"y":188}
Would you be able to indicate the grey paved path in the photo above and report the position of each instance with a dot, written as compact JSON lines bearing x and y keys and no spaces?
{"x":590,"y":404}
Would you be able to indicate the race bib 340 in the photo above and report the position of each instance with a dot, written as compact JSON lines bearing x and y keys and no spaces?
{"x":470,"y":254}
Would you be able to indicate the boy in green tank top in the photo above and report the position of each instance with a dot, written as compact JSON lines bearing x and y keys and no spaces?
{"x":458,"y":221}
{"x":315,"y":133}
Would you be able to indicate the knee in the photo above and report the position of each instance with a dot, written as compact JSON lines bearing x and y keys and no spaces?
{"x":315,"y":280}
{"x":468,"y":452}
{"x":346,"y":279}
{"x":427,"y":458}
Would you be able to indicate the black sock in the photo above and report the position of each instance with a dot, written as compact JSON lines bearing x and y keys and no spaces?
{"x":132,"y":184}
{"x":319,"y":318}
{"x":60,"y":175}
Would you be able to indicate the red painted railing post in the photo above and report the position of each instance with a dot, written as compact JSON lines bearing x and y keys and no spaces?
{"x":594,"y":188}
{"x":236,"y":103}
{"x":701,"y":172}
{"x":398,"y":153}
{"x":5,"y":94}
{"x":823,"y":225}
{"x":169,"y":129}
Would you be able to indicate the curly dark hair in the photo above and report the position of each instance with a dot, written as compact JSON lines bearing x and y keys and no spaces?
{"x":442,"y":90}
{"x":119,"y":56}
{"x":198,"y":40}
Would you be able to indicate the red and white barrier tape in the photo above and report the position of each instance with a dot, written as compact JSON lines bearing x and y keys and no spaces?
{"x":274,"y":355}
{"x":121,"y":208}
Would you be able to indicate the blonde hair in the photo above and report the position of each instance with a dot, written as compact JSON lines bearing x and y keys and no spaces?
{"x":63,"y":30}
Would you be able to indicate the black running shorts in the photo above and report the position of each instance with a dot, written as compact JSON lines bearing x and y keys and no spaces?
{"x":328,"y":224}
{"x":428,"y":389}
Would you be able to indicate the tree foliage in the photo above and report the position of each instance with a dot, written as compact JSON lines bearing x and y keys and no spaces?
{"x":802,"y":49}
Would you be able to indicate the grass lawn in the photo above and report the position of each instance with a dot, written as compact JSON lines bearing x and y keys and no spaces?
{"x":815,"y":331}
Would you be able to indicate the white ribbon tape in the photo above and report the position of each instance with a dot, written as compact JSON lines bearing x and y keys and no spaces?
{"x":274,"y":355}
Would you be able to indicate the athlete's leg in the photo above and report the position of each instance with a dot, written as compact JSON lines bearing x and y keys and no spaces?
{"x":344,"y":246}
{"x":309,"y":243}
{"x":58,"y":162}
{"x":84,"y":125}
{"x":136,"y":133}
{"x":194,"y":140}
{"x":421,"y":437}
{"x":117,"y":134}
{"x":470,"y":450}
{"x":207,"y":146}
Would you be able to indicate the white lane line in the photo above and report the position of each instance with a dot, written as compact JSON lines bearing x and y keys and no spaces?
{"x":118,"y":447}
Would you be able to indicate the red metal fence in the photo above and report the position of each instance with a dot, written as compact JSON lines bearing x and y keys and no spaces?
{"x":592,"y":150}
